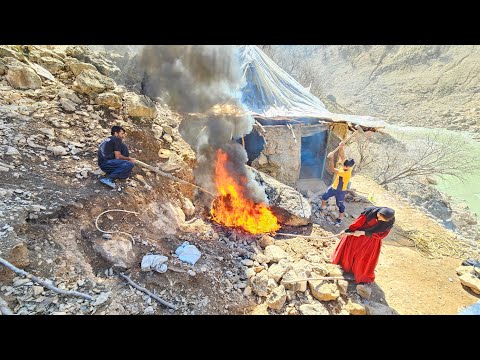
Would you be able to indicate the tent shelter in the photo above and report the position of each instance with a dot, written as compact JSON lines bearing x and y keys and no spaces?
{"x":294,"y":131}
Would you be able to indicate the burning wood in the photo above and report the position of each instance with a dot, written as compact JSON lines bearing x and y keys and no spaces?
{"x":233,"y":208}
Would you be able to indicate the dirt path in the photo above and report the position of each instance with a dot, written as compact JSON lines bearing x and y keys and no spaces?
{"x":409,"y":282}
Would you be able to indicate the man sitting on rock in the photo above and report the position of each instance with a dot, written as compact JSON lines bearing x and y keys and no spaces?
{"x":113,"y":157}
{"x":340,"y":183}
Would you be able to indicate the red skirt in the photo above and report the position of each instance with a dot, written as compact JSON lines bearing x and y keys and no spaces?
{"x":358,"y":255}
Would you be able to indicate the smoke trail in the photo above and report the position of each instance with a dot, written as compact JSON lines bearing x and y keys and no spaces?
{"x":192,"y":80}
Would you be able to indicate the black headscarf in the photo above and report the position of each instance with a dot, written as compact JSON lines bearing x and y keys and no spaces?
{"x":371,"y":212}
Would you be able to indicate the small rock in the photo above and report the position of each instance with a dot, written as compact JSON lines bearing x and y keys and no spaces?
{"x":12,"y":151}
{"x":262,"y":159}
{"x":313,"y":309}
{"x":276,"y":271}
{"x":168,"y":138}
{"x":247,"y":291}
{"x":334,"y":270}
{"x":168,"y":129}
{"x":275,"y":253}
{"x":342,"y":286}
{"x":67,"y":104}
{"x":48,"y":131}
{"x":249,"y":272}
{"x":187,"y":207}
{"x":247,"y":262}
{"x":149,"y":311}
{"x":471,"y":282}
{"x":365,"y":291}
{"x":265,"y":240}
{"x":374,"y":308}
{"x":164,"y":153}
{"x":241,"y":285}
{"x":259,"y":283}
{"x":37,"y":290}
{"x":191,"y":273}
{"x":103,"y":297}
{"x":261,"y":258}
{"x":464,"y":270}
{"x":355,"y":308}
{"x":57,"y":150}
{"x":277,"y":298}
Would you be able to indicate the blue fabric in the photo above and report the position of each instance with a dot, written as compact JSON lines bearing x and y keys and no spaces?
{"x":339,"y":197}
{"x":471,"y":310}
{"x":117,"y":169}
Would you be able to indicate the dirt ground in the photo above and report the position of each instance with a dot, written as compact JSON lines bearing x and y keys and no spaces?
{"x":411,"y":281}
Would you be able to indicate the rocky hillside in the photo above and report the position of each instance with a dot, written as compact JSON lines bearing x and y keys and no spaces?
{"x":56,"y":106}
{"x":431,"y":86}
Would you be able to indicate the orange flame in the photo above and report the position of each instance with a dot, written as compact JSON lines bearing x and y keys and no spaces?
{"x":231,"y":208}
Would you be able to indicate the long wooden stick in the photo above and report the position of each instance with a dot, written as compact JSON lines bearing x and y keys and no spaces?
{"x":260,"y":126}
{"x":42,"y":282}
{"x":171,"y":177}
{"x":309,"y":236}
{"x":344,"y":141}
{"x":317,"y":278}
{"x":161,"y":301}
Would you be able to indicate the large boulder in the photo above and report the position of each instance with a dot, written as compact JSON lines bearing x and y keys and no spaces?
{"x":91,"y":82}
{"x":324,"y":291}
{"x":118,"y":252}
{"x":53,"y":65}
{"x":290,"y":207}
{"x":23,"y":77}
{"x":41,"y":71}
{"x":76,"y":67}
{"x":140,"y":106}
{"x":8,"y":51}
{"x":101,"y":62}
{"x":109,"y":99}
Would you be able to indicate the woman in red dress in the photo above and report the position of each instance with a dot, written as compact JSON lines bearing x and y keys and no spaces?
{"x":359,"y":248}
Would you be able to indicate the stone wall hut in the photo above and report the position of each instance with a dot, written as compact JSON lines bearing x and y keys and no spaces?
{"x":293,"y":132}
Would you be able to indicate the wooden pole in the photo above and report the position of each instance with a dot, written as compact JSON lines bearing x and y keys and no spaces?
{"x":317,"y":278}
{"x":171,"y":177}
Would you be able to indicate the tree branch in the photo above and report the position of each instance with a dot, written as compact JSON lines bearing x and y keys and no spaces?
{"x":42,"y":282}
{"x":161,"y":301}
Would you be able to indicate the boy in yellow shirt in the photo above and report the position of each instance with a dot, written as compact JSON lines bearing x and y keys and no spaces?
{"x":340,"y":182}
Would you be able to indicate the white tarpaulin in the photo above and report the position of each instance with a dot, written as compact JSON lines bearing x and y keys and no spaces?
{"x":271,"y":92}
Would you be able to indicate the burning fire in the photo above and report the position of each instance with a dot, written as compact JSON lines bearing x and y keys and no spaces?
{"x":231,"y":208}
